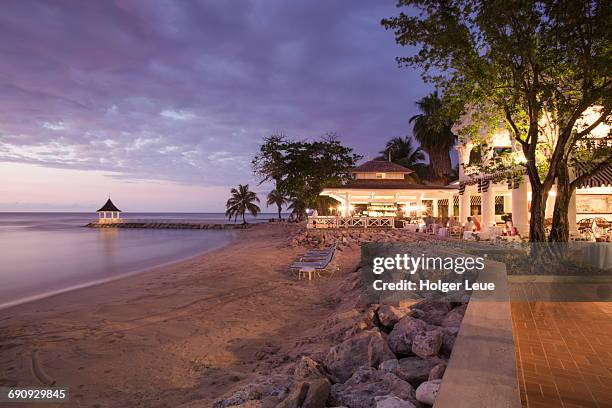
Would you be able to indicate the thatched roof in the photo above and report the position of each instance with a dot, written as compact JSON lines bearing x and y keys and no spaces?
{"x":109,"y":206}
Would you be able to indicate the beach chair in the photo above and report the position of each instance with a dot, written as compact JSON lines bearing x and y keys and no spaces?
{"x":313,"y":263}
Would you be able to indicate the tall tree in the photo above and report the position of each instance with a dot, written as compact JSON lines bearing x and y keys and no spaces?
{"x":301,"y":169}
{"x":242,"y":200}
{"x":432,"y":128}
{"x":277,"y":198}
{"x":518,"y":60}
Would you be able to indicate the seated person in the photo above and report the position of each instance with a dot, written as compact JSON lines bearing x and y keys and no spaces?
{"x":511,"y":230}
{"x":469,"y":225}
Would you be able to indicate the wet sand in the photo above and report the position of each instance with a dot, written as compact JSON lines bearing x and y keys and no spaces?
{"x":187,"y":332}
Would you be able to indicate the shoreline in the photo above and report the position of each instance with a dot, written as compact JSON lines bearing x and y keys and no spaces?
{"x":96,"y":282}
{"x":190,"y":331}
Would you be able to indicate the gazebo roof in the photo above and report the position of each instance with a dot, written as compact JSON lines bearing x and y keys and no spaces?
{"x":109,"y":206}
{"x":381,"y":166}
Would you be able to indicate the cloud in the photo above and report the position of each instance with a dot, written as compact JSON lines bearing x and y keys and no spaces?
{"x":186,"y":91}
{"x":177,"y":114}
{"x":54,"y":126}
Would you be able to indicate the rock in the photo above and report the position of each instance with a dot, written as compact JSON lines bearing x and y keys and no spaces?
{"x":307,"y":368}
{"x":449,"y":334}
{"x":428,"y":391}
{"x":433,"y":309}
{"x":416,"y":369}
{"x":296,"y":397}
{"x":437,"y":372}
{"x":400,"y":338}
{"x":249,"y":404}
{"x":454,"y":317}
{"x":389,"y":366}
{"x":427,"y":344}
{"x":391,"y":401}
{"x":389,"y":315}
{"x":318,"y":392}
{"x":269,"y":387}
{"x":367,"y":383}
{"x":367,"y":348}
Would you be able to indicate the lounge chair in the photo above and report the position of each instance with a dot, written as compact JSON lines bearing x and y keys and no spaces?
{"x":313,"y":262}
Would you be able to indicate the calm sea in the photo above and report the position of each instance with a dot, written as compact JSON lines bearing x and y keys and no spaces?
{"x":47,"y":253}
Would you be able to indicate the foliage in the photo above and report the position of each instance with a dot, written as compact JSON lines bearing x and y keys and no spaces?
{"x":277,"y":198}
{"x":524,"y":63}
{"x":298,"y":208}
{"x":402,"y":151}
{"x":242,"y":200}
{"x":301,"y":169}
{"x":432,"y":128}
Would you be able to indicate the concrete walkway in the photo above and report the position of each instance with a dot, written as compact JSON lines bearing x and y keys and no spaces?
{"x":564,"y":353}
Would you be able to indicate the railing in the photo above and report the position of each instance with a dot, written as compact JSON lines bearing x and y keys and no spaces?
{"x":350,"y":222}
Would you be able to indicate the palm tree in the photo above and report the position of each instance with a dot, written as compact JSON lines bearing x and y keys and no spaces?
{"x":432,"y":129}
{"x":278,"y":198}
{"x":298,"y":208}
{"x":401,"y":150}
{"x":241,"y":201}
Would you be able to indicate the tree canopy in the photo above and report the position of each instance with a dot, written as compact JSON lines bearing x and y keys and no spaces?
{"x":301,"y":169}
{"x":518,"y":61}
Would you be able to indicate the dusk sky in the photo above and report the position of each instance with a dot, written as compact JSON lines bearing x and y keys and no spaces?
{"x":163,"y":104}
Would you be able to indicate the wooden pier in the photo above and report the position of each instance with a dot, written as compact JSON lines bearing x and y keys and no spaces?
{"x":165,"y":224}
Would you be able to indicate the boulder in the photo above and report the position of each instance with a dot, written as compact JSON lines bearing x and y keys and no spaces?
{"x":416,"y":369}
{"x":389,"y":315}
{"x":426,"y":344}
{"x":318,"y":393}
{"x":400,"y":338}
{"x":307,"y":368}
{"x":437,"y":372}
{"x":454,"y":317}
{"x":449,"y":334}
{"x":296,"y":397}
{"x":428,"y":391}
{"x":269,"y":387}
{"x":391,"y":401}
{"x":389,"y":366}
{"x":367,"y":348}
{"x":433,"y":310}
{"x":367,"y":383}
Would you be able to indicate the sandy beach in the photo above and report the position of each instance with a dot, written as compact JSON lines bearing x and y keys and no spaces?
{"x":180,"y":335}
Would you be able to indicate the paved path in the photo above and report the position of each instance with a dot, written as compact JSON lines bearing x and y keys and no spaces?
{"x":564,"y":353}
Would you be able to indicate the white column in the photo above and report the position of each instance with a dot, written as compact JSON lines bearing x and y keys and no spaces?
{"x":464,"y":206}
{"x":571,"y":214}
{"x":451,"y":205}
{"x":420,"y":207}
{"x":435,"y":207}
{"x":550,"y":203}
{"x":347,"y":211}
{"x":520,"y":215}
{"x":488,"y":208}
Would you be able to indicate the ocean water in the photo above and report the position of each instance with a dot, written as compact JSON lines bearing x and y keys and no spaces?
{"x":46,"y":253}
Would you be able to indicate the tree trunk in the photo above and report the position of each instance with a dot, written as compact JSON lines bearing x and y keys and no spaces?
{"x":560,"y":225}
{"x":537,"y":233}
{"x":243,"y":217}
{"x":279,"y":213}
{"x":441,"y":164}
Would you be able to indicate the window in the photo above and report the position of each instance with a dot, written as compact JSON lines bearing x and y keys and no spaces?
{"x":380,"y":175}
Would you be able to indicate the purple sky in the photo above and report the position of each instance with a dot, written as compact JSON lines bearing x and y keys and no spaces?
{"x":176,"y":96}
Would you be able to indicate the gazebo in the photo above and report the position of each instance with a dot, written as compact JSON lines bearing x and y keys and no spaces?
{"x":109,"y":212}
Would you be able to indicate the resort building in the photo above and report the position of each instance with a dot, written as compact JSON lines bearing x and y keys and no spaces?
{"x":382,"y":193}
{"x":109,"y":213}
{"x":489,"y":196}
